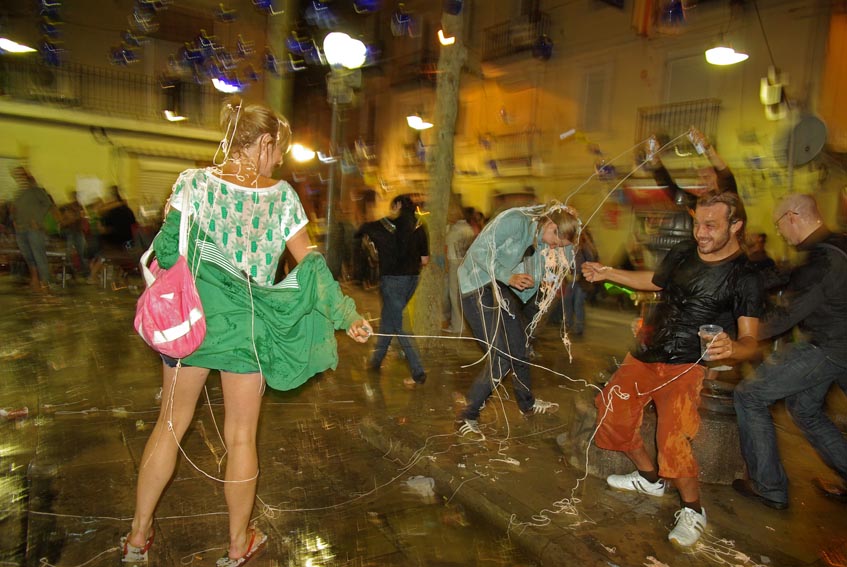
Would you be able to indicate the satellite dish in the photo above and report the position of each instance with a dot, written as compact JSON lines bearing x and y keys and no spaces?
{"x":801,"y":142}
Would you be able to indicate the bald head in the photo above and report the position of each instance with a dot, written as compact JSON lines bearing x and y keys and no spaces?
{"x":796,"y":217}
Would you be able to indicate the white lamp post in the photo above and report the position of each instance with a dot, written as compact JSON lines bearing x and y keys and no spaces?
{"x":345,"y":55}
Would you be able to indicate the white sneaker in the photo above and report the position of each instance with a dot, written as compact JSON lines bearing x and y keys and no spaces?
{"x":636,"y":483}
{"x":689,"y":526}
{"x":540,"y":406}
{"x":470,"y":428}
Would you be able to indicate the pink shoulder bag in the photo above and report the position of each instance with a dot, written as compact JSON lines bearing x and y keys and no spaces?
{"x":169,"y":315}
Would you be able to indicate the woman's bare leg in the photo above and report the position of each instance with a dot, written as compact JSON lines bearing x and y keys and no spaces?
{"x":180,"y":392}
{"x":242,"y":401}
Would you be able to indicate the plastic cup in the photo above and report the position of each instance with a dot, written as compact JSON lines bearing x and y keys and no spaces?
{"x":707,"y":334}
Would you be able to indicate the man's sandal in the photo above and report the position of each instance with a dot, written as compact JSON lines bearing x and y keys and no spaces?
{"x":133,"y":554}
{"x":256,"y":545}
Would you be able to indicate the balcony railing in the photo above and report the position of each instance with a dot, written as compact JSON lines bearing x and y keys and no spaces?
{"x":515,"y":36}
{"x":110,"y":92}
{"x":674,"y":119}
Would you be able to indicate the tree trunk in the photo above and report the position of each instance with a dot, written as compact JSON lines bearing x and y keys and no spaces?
{"x":431,"y":291}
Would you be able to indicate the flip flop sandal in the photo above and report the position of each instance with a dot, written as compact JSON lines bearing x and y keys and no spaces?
{"x":133,"y":554}
{"x":257,"y":544}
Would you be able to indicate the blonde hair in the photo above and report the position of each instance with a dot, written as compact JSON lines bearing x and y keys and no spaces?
{"x":244,"y":124}
{"x":565,"y":218}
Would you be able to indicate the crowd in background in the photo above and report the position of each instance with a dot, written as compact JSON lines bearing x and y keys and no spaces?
{"x":83,"y":237}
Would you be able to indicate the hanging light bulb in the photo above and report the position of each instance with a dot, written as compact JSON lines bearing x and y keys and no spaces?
{"x":723,"y":55}
{"x":418,"y":123}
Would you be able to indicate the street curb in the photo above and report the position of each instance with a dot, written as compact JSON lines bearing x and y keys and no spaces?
{"x":487,"y":501}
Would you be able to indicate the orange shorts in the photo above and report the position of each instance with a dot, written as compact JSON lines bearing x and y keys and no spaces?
{"x":677,"y":406}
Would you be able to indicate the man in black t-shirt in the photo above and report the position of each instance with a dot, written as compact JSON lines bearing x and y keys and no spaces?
{"x":704,"y":281}
{"x":802,"y":372}
{"x":403,"y":247}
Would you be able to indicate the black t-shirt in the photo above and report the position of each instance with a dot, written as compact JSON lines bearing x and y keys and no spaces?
{"x":697,"y":293}
{"x":412,"y":249}
{"x":399,"y":248}
{"x":118,"y":223}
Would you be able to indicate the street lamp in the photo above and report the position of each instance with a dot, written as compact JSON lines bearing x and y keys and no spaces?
{"x":415,"y":121}
{"x":9,"y":46}
{"x":301,"y":153}
{"x":345,"y":55}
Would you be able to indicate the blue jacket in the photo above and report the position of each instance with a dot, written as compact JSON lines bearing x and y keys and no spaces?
{"x":507,"y":245}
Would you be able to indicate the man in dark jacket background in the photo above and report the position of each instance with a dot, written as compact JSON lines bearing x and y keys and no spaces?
{"x":802,"y":372}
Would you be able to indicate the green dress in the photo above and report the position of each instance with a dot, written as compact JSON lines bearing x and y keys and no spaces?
{"x":286,"y":331}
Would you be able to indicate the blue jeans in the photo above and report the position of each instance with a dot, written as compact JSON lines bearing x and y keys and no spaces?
{"x":75,"y":241}
{"x":801,"y":374}
{"x":574,"y":307}
{"x":396,"y":292}
{"x":33,"y":246}
{"x":494,"y":325}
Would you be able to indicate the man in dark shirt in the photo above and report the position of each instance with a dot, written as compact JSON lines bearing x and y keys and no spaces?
{"x":703,"y":281}
{"x":29,"y":209}
{"x":802,"y":372}
{"x":117,"y":221}
{"x":756,"y":252}
{"x":402,"y":247}
{"x":116,"y":237}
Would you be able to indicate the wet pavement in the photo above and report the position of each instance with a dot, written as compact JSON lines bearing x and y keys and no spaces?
{"x":356,"y":468}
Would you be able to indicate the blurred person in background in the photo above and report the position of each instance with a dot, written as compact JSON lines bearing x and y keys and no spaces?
{"x":74,"y":224}
{"x":576,"y":291}
{"x":756,"y":252}
{"x":460,"y":235}
{"x":116,"y":231}
{"x":29,"y":210}
{"x":402,"y":248}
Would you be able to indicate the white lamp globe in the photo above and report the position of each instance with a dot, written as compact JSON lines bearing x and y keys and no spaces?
{"x":342,"y":50}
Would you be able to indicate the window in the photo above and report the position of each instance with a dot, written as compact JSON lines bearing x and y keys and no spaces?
{"x":596,"y":98}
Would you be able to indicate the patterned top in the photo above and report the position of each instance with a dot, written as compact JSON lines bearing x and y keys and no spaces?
{"x":250,"y":226}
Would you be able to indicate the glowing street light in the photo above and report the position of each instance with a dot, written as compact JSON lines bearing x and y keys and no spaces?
{"x":171,"y":116}
{"x":301,"y":153}
{"x":341,"y":50}
{"x":225,"y":87}
{"x":10,"y":46}
{"x":723,"y":55}
{"x":418,"y":123}
{"x":345,"y":55}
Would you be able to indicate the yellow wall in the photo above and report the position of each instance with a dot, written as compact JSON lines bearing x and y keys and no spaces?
{"x":521,"y":94}
{"x":56,"y":155}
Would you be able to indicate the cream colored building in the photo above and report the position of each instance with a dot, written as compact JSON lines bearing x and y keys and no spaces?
{"x":613,"y":80}
{"x":617,"y":72}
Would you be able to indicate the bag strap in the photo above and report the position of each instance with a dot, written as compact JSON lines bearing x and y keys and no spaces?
{"x":144,"y":261}
{"x":183,"y":220}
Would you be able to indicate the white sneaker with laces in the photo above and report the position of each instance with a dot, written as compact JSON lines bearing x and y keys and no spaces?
{"x":636,"y":483}
{"x":540,"y":406}
{"x":470,"y":428}
{"x":689,"y":526}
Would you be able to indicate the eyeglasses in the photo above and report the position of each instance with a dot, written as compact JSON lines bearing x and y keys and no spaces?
{"x":776,"y":223}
